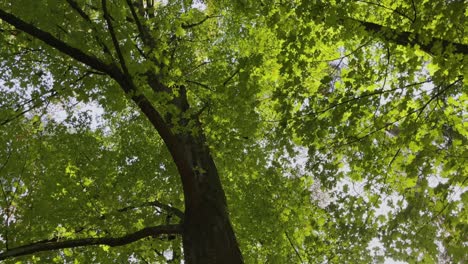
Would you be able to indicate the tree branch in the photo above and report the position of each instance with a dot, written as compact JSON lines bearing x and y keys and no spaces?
{"x":187,"y":26}
{"x":168,"y":208}
{"x":418,"y":110}
{"x":20,"y":111}
{"x":230,"y":77}
{"x":387,"y":8}
{"x":144,"y":32}
{"x":74,"y":5}
{"x":109,"y":241}
{"x":362,"y":96}
{"x":114,"y":38}
{"x":295,"y":249}
{"x":409,"y":38}
{"x":200,"y":84}
{"x":58,"y":44}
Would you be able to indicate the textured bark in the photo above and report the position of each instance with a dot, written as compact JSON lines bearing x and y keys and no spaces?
{"x":208,"y":236}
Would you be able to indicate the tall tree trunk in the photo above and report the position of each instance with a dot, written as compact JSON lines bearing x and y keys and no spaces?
{"x":208,"y":236}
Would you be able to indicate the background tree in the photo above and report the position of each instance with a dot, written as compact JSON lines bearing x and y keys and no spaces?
{"x":335,"y":127}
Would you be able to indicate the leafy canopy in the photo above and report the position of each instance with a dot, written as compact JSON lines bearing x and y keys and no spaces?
{"x":333,"y":125}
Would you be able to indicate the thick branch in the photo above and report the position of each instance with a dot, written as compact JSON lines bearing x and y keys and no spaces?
{"x":58,"y":44}
{"x":80,"y":11}
{"x":109,"y":241}
{"x":407,"y":38}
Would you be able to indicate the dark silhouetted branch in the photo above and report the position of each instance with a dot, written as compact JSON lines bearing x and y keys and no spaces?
{"x":58,"y":44}
{"x":55,"y":244}
{"x":411,"y":39}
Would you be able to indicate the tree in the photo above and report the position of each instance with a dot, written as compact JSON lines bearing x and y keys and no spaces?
{"x":316,"y":114}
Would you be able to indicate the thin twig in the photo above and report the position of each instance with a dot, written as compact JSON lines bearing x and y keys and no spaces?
{"x":107,"y":17}
{"x":200,"y":84}
{"x":388,"y":8}
{"x":187,"y":26}
{"x":295,"y":249}
{"x":230,"y":77}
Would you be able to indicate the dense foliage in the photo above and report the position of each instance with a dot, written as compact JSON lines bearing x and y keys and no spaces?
{"x":339,"y":129}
